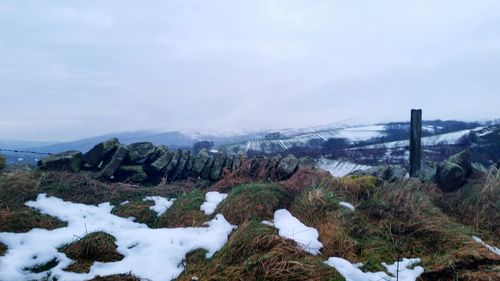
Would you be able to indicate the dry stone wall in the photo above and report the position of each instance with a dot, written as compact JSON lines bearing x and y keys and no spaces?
{"x":141,"y":162}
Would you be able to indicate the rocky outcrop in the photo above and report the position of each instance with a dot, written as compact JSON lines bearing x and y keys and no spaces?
{"x":141,"y":162}
{"x":453,"y":173}
{"x":71,"y":161}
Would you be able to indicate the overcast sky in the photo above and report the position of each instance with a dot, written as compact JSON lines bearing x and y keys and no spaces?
{"x":72,"y":69}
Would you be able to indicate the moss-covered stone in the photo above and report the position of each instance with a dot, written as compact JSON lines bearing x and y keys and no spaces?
{"x":71,"y":161}
{"x":102,"y":150}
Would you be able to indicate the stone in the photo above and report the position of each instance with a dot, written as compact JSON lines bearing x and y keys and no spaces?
{"x":238,"y":159}
{"x":169,"y":170}
{"x":98,"y":153}
{"x":159,"y":165}
{"x":306,"y":162}
{"x":199,"y":163}
{"x":219,"y":162}
{"x":228,"y":167}
{"x":450,"y":176}
{"x":181,"y":171}
{"x":67,"y":161}
{"x":453,"y":173}
{"x":3,"y":162}
{"x":205,"y":173}
{"x":463,"y":159}
{"x":115,"y":162}
{"x":287,"y":166}
{"x":133,"y":173}
{"x":140,"y":152}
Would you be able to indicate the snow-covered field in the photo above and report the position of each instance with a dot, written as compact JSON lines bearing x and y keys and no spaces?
{"x":353,"y":134}
{"x":153,"y":254}
{"x":340,"y":168}
{"x":159,"y":254}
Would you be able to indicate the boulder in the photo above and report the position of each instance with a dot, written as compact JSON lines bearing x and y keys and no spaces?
{"x":98,"y":153}
{"x":3,"y":162}
{"x":452,"y":174}
{"x":180,"y":171}
{"x":133,"y":173}
{"x":287,"y":166}
{"x":199,"y":163}
{"x":67,"y":161}
{"x":219,"y":162}
{"x":115,"y":162}
{"x":140,"y":152}
{"x":159,"y":165}
{"x":205,"y":173}
{"x":463,"y":159}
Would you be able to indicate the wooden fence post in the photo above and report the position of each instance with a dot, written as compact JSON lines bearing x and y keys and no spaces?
{"x":415,"y":142}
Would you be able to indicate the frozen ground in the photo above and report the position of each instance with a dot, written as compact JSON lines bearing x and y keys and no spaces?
{"x":153,"y":254}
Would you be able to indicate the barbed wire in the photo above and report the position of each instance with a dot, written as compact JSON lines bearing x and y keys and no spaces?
{"x":25,"y":151}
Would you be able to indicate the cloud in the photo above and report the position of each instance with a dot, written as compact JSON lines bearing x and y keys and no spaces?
{"x":80,"y":68}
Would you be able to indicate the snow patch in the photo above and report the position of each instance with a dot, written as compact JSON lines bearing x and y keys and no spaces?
{"x":352,"y":272}
{"x":290,"y":227}
{"x":347,"y":206}
{"x":212,"y":199}
{"x":492,"y":249}
{"x":152,"y":254}
{"x":161,"y":204}
{"x":124,"y":203}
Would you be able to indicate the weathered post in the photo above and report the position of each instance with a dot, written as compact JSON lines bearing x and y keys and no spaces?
{"x":415,"y":142}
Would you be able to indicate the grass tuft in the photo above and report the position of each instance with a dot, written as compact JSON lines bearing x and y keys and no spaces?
{"x":97,"y":246}
{"x":185,"y":211}
{"x":253,"y":201}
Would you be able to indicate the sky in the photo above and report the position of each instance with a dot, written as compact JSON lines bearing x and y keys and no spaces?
{"x":74,"y":69}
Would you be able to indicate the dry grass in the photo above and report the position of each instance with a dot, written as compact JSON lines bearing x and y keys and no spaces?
{"x":477,"y":204}
{"x":255,"y":252}
{"x":98,"y":246}
{"x":185,"y":211}
{"x":319,"y":207}
{"x":139,"y":210}
{"x":3,"y":249}
{"x":253,"y":201}
{"x":306,"y":178}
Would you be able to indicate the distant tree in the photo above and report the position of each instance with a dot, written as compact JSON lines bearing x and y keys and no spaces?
{"x":198,"y":146}
{"x":315,"y":142}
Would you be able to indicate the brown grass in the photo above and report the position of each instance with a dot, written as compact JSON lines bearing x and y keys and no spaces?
{"x":3,"y":249}
{"x":255,"y":252}
{"x":97,"y":246}
{"x":185,"y":211}
{"x":253,"y":201}
{"x":139,"y":210}
{"x":477,"y":204}
{"x":306,"y":178}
